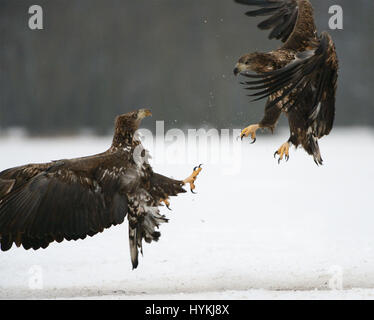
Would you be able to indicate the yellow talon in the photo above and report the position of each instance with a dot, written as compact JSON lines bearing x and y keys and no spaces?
{"x":191,"y":179}
{"x":283,"y":151}
{"x":250,"y":130}
{"x":166,"y":202}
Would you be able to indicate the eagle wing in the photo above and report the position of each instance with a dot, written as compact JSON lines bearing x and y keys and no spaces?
{"x":164,"y":187}
{"x":43,"y":203}
{"x":291,"y":21}
{"x":313,"y":73}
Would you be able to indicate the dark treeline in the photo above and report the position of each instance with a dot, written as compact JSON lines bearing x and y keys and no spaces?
{"x":98,"y":58}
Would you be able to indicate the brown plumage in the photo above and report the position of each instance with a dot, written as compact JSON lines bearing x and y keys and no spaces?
{"x":299,"y":78}
{"x":75,"y":198}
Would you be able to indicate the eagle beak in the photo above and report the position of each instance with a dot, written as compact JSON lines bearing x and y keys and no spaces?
{"x":143,"y":113}
{"x":240,"y":67}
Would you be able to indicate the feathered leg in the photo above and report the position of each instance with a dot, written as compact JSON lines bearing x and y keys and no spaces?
{"x":310,"y":144}
{"x":301,"y":134}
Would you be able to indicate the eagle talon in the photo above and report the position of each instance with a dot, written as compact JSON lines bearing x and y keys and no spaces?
{"x":250,"y":130}
{"x":283,"y":151}
{"x":167,"y":203}
{"x":191,"y":179}
{"x":197,"y":167}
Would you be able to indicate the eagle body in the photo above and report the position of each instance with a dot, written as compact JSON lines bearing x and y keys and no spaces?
{"x":298,"y":79}
{"x":75,"y":198}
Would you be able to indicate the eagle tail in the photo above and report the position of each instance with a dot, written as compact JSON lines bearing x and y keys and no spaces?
{"x":143,"y":226}
{"x":312,"y":148}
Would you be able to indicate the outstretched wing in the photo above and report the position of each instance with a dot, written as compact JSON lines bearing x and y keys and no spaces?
{"x":40,"y":204}
{"x":312,"y":73}
{"x":164,"y":187}
{"x":291,"y":21}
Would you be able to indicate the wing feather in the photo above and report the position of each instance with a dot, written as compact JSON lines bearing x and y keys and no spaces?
{"x":47,"y":205}
{"x":312,"y":70}
{"x":291,"y":21}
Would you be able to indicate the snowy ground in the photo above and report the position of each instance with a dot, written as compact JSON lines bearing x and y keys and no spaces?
{"x":265,"y":231}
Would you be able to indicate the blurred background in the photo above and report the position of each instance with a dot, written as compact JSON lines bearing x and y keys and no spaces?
{"x":96,"y":59}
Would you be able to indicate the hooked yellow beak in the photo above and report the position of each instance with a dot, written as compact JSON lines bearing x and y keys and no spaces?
{"x":143,"y":113}
{"x":240,"y":67}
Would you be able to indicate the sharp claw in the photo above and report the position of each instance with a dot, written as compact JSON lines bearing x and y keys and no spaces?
{"x":254,"y":140}
{"x":197,"y":167}
{"x":241,"y":138}
{"x":275,"y":154}
{"x":169,"y":208}
{"x":191,"y":179}
{"x":279,"y":160}
{"x":193,"y":191}
{"x":287,"y":158}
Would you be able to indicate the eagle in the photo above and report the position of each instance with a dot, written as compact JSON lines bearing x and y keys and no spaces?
{"x":74,"y":198}
{"x":298,"y":79}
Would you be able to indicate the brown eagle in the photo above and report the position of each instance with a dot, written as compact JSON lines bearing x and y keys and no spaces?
{"x":75,"y":198}
{"x":299,"y":78}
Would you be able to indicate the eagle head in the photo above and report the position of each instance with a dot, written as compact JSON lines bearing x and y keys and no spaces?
{"x":257,"y":62}
{"x":127,"y":124}
{"x":143,"y":113}
{"x":132,"y":119}
{"x":245,"y":63}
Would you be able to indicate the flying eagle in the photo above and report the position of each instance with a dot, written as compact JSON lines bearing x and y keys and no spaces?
{"x":75,"y":198}
{"x":299,"y":78}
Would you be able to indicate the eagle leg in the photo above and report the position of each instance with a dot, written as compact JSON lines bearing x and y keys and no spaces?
{"x":191,"y":179}
{"x":283,"y":151}
{"x":250,"y":130}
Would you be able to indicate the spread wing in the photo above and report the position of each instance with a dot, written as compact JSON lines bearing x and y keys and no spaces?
{"x":40,"y":204}
{"x":164,"y":187}
{"x":291,"y":21}
{"x":311,"y":77}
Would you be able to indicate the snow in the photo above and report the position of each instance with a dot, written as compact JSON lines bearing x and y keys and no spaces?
{"x":258,"y":231}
